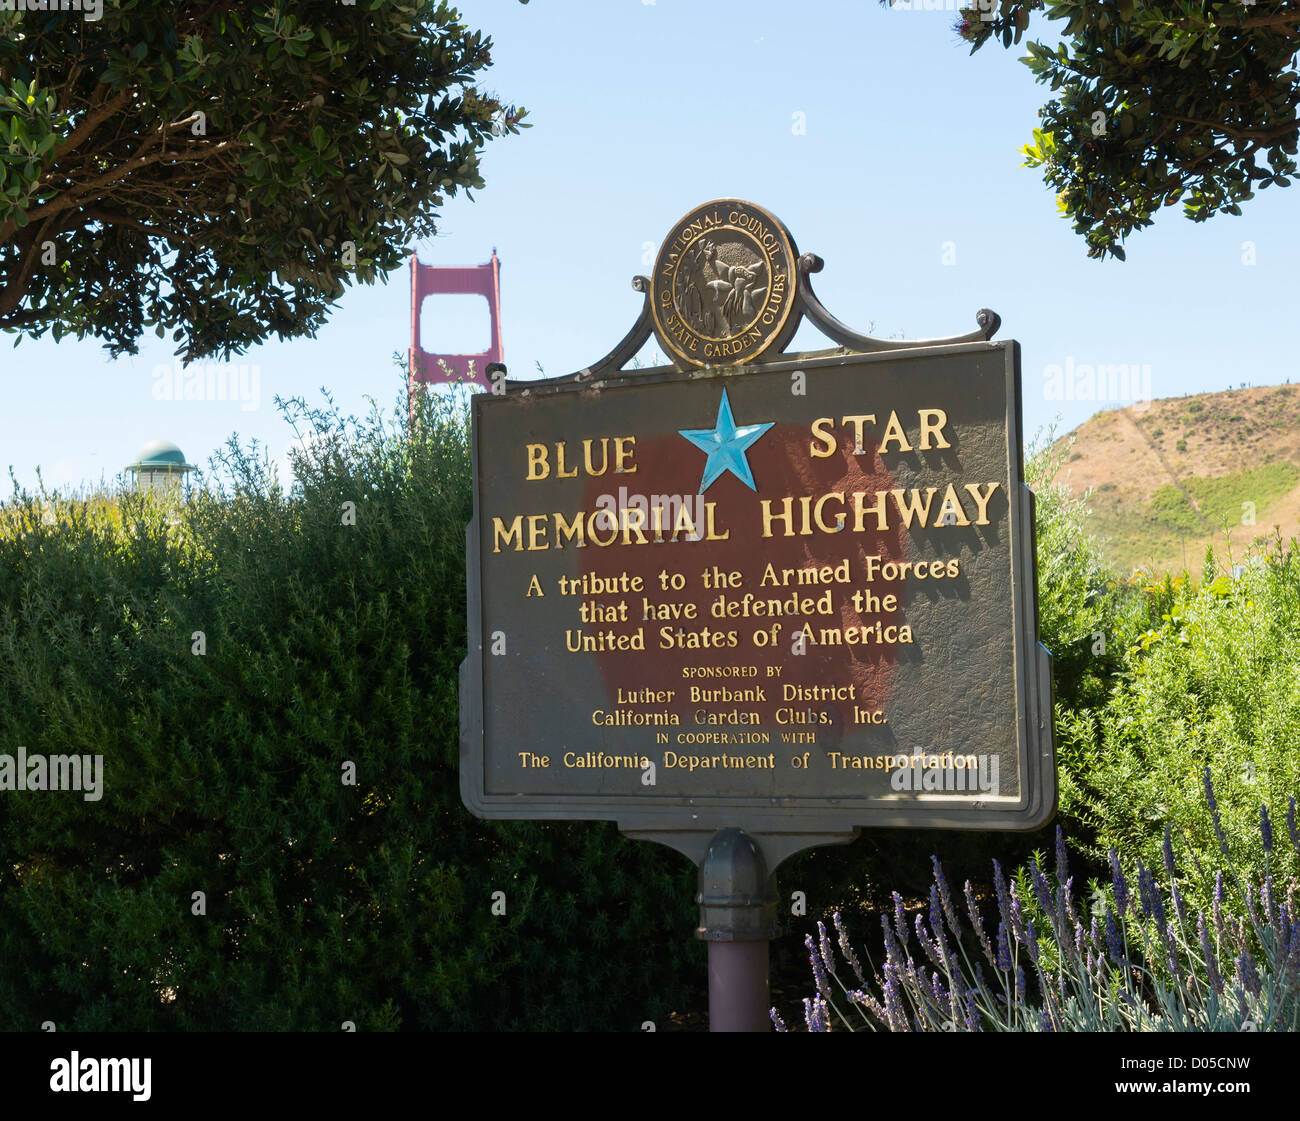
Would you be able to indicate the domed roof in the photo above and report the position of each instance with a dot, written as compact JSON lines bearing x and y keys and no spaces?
{"x":160,"y":453}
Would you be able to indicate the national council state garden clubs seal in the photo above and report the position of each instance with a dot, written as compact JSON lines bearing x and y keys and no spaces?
{"x":723,"y":287}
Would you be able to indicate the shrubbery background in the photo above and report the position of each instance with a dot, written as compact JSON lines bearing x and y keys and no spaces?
{"x":325,"y":643}
{"x":328,"y":642}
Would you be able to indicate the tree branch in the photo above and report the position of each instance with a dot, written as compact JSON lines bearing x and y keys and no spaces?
{"x":91,"y":121}
{"x":91,"y":187}
{"x":113,"y":218}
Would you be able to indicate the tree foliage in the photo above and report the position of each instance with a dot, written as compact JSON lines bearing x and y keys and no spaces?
{"x":1156,"y":103}
{"x":223,"y":171}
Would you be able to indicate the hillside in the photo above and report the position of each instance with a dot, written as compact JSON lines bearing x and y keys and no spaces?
{"x":1169,"y":477}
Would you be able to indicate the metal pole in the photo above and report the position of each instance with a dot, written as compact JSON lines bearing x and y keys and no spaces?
{"x":738,"y":986}
{"x":737,"y":901}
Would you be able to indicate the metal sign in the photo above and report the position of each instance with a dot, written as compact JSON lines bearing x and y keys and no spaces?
{"x":794,"y":597}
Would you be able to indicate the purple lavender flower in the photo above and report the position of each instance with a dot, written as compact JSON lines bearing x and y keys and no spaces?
{"x":819,"y":970}
{"x":900,"y":920}
{"x":1144,"y":898}
{"x":1218,"y":907}
{"x":1172,"y":958}
{"x":777,"y":1022}
{"x":972,"y":1012}
{"x":869,"y":1002}
{"x":945,"y":897}
{"x":894,"y":1013}
{"x":937,"y":990}
{"x":1265,"y":828}
{"x":1004,"y":949}
{"x":1214,"y":811}
{"x":932,"y":949}
{"x":817,"y":1014}
{"x":1044,"y":1021}
{"x":1019,"y":993}
{"x":1119,"y":885}
{"x":824,"y":947}
{"x":1247,"y":973}
{"x":1268,"y":901}
{"x":1114,"y":943}
{"x":936,"y":924}
{"x":1157,"y":904}
{"x":1031,"y":940}
{"x":1017,"y":916}
{"x":972,"y":909}
{"x":1291,"y":965}
{"x":893,"y":951}
{"x":1211,"y":959}
{"x":847,"y":950}
{"x":1042,"y":890}
{"x":1067,"y":894}
{"x":1180,"y":908}
{"x":1167,"y":852}
{"x":1062,"y":860}
{"x":823,"y":1014}
{"x":1000,"y":887}
{"x":1152,"y":902}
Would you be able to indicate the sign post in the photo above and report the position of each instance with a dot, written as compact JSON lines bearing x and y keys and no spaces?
{"x":754,"y":602}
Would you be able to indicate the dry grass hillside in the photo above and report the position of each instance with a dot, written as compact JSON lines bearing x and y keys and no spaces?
{"x":1169,"y":477}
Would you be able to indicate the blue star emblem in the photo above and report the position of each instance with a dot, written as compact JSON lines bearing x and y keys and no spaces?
{"x":726,"y":446}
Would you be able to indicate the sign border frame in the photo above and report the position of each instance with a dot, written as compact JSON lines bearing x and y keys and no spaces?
{"x":687,"y":824}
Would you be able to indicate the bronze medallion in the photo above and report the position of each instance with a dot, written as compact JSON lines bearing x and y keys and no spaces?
{"x":723,"y":288}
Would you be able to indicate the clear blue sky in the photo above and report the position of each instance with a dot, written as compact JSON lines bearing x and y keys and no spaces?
{"x":643,"y":110}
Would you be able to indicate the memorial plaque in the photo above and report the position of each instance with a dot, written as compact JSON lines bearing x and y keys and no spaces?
{"x":795,"y":598}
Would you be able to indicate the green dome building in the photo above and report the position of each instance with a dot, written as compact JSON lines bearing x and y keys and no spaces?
{"x":160,"y":466}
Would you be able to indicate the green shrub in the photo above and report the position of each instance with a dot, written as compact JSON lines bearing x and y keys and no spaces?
{"x":1222,"y":497}
{"x":1215,"y":682}
{"x":1169,"y":507}
{"x":1181,"y":445}
{"x":326,"y":643}
{"x":1085,"y":616}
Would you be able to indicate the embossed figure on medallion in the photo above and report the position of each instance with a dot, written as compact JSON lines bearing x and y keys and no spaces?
{"x":721,"y":286}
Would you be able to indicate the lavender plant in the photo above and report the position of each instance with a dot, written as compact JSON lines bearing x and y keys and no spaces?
{"x":1144,"y":961}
